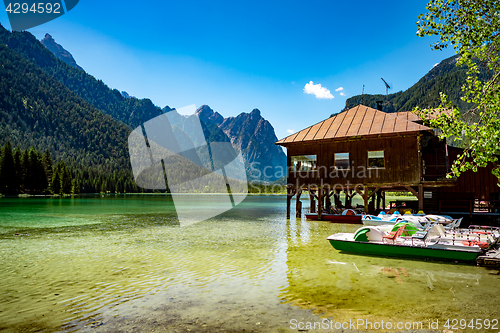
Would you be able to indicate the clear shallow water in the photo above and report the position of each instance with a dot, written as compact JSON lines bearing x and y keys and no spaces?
{"x":123,"y":263}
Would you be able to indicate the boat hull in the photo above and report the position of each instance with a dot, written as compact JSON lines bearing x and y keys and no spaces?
{"x":336,"y":218}
{"x":377,"y":222}
{"x":394,"y":250}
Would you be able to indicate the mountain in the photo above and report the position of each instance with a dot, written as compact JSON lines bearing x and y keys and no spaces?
{"x":254,"y":136}
{"x":59,"y":51}
{"x":89,"y":123}
{"x":126,"y":95}
{"x":445,"y":77}
{"x":207,"y":115}
{"x":38,"y":111}
{"x":131,"y":111}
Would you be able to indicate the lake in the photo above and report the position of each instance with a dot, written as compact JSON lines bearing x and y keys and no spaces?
{"x":123,"y":263}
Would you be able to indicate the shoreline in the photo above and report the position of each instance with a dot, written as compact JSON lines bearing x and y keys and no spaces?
{"x":55,"y":196}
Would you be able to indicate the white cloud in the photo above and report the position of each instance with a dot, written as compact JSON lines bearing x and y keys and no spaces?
{"x":290,"y":131}
{"x":317,"y":90}
{"x":342,"y":94}
{"x":339,"y":89}
{"x":437,"y":63}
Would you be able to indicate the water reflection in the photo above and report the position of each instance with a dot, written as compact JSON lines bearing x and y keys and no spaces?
{"x":348,"y":286}
{"x":88,"y":265}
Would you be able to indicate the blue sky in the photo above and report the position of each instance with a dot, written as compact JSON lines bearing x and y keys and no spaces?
{"x":236,"y":55}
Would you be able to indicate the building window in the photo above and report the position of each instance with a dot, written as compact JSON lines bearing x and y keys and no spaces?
{"x":304,"y":162}
{"x":376,"y":159}
{"x":341,"y":160}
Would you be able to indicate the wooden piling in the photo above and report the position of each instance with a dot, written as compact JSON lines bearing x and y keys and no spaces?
{"x":379,"y":198}
{"x":312,"y":206}
{"x":298,"y":204}
{"x":320,"y":203}
{"x":420,"y":197}
{"x":289,"y":195}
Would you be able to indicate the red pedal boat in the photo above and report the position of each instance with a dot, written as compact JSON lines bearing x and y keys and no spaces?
{"x":347,"y":216}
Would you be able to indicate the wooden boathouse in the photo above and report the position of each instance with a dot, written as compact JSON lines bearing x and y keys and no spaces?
{"x":366,"y":152}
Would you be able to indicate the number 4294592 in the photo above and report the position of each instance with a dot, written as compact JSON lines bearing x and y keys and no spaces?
{"x":36,"y":8}
{"x":475,"y":324}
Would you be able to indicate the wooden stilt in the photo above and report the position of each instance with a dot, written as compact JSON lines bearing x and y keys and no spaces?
{"x":379,"y":197}
{"x":347,"y":199}
{"x":383,"y":200}
{"x":289,"y":195}
{"x":328,"y":203}
{"x":420,"y":197}
{"x":298,"y":204}
{"x":312,"y":206}
{"x":320,"y":203}
{"x":371,"y":204}
{"x":336,"y":199}
{"x":365,"y":200}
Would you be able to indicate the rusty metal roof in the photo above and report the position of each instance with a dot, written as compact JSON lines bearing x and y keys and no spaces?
{"x":409,"y":115}
{"x":359,"y":121}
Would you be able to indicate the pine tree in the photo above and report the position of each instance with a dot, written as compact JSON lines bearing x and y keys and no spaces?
{"x":56,"y":182}
{"x":8,"y":183}
{"x":24,"y":171}
{"x":28,"y":168}
{"x":65,"y":178}
{"x":18,"y":168}
{"x":47,"y":164}
{"x":104,"y":186}
{"x":36,"y":172}
{"x":75,"y":186}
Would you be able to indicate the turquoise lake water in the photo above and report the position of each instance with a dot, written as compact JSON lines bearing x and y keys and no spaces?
{"x":123,"y":263}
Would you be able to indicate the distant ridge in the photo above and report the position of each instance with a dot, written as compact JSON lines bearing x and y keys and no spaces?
{"x":254,"y":136}
{"x":445,"y":77}
{"x":59,"y":51}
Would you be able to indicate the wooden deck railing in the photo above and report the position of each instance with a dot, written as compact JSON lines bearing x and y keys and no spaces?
{"x":473,"y":205}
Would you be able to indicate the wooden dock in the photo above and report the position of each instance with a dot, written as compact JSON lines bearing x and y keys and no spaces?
{"x":490,"y":258}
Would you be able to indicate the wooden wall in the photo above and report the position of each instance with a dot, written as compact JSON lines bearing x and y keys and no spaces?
{"x":482,"y":183}
{"x":401,"y":161}
{"x":435,"y":166}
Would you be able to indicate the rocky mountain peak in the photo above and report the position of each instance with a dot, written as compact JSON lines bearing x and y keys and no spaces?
{"x":255,"y":113}
{"x":254,"y":136}
{"x":207,"y":115}
{"x":125,"y":94}
{"x":59,"y":51}
{"x":167,"y":109}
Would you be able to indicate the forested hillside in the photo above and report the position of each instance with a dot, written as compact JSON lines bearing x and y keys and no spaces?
{"x":37,"y":111}
{"x":445,"y":77}
{"x":131,"y":111}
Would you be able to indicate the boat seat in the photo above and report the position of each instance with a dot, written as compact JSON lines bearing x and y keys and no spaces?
{"x":393,"y":235}
{"x":436,"y":230}
{"x":420,"y":235}
{"x":454,"y":224}
{"x":348,"y":212}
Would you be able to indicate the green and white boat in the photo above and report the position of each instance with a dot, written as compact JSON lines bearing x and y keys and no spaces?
{"x":435,"y":243}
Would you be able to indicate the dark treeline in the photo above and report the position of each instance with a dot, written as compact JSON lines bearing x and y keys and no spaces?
{"x":32,"y":172}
